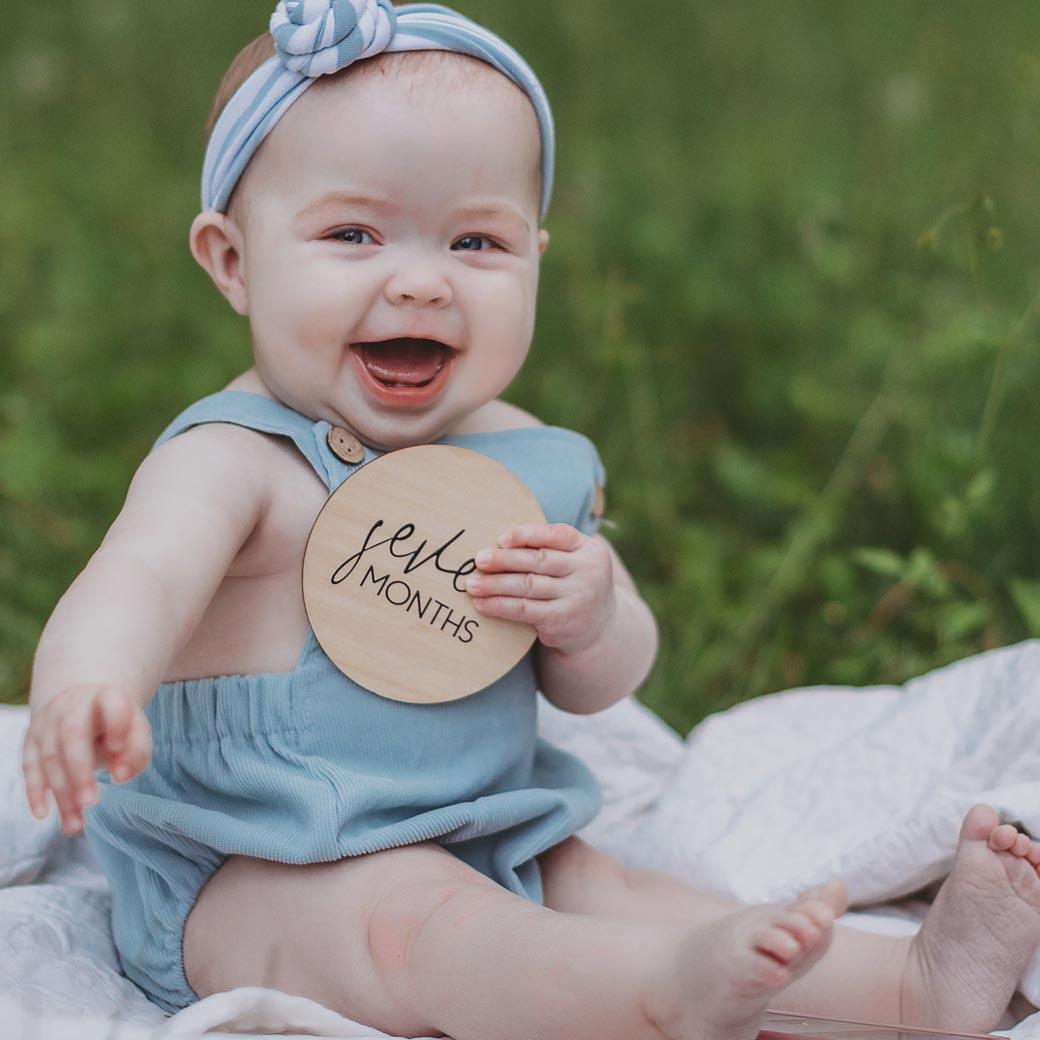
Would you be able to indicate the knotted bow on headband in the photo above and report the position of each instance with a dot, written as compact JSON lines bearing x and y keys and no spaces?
{"x":318,"y":37}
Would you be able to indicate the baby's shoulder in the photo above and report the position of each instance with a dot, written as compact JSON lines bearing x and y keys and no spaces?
{"x":495,"y":417}
{"x":513,"y":417}
{"x":249,"y":471}
{"x":221,"y":450}
{"x":557,"y":443}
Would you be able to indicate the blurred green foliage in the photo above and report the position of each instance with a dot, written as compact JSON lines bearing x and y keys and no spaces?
{"x":791,"y":293}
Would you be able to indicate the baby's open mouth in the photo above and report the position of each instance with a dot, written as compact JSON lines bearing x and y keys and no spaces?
{"x":404,"y":362}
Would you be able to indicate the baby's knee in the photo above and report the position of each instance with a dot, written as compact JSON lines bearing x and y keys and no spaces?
{"x":425,"y":899}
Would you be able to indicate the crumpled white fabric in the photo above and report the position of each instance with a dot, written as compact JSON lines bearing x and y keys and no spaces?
{"x":759,"y":802}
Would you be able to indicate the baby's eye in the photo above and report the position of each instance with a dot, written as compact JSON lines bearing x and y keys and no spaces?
{"x":350,"y":231}
{"x":476,"y":238}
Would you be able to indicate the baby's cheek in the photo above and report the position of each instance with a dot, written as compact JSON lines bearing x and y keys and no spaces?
{"x":325,"y":306}
{"x":505,"y":331}
{"x":305,"y":343}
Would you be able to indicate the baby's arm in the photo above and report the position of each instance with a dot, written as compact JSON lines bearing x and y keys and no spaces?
{"x":596,"y":637}
{"x":191,"y":506}
{"x":615,"y":664}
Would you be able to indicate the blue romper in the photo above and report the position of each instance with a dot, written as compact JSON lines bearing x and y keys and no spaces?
{"x":307,"y":766}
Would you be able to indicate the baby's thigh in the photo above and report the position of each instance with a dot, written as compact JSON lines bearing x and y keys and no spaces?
{"x":305,"y":928}
{"x":579,"y":879}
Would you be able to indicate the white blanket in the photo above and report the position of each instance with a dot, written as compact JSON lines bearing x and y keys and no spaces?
{"x":776,"y":794}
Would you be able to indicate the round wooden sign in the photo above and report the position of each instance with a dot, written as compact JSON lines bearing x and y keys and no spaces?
{"x":385,"y":567}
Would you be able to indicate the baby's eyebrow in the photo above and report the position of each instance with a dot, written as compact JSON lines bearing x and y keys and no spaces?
{"x":342,"y":198}
{"x":477,"y":212}
{"x":347,"y":199}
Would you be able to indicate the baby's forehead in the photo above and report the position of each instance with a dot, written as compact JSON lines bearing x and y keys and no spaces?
{"x":428,"y":87}
{"x":433,"y":82}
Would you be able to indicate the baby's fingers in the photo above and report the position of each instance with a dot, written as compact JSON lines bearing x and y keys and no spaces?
{"x":35,"y":784}
{"x":52,"y":762}
{"x":127,"y":742}
{"x":79,"y":729}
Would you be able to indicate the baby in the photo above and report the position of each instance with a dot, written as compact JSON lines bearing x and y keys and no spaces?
{"x":264,"y":820}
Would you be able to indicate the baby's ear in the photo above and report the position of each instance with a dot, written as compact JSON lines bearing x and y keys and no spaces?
{"x":543,"y":240}
{"x":216,"y":243}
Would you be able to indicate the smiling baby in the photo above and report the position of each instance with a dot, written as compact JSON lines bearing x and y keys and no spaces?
{"x":374,"y":190}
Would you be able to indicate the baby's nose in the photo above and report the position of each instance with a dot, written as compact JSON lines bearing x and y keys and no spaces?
{"x":420,"y":285}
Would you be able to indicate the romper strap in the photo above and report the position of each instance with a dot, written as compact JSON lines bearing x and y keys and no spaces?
{"x":261,"y":413}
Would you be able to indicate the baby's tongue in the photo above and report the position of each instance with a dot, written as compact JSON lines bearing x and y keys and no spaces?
{"x":410,"y":361}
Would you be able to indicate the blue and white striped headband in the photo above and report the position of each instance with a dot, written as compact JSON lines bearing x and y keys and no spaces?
{"x":317,"y":37}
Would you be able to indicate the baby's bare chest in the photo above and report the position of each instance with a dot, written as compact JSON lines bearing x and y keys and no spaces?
{"x":256,"y":622}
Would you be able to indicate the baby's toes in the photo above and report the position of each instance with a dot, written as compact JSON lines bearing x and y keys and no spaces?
{"x":821,"y":913}
{"x":833,"y":896}
{"x":779,"y":942}
{"x":800,"y":922}
{"x":768,"y":974}
{"x":1021,"y":846}
{"x":1002,"y":838}
{"x":818,"y":893}
{"x":1033,"y":855}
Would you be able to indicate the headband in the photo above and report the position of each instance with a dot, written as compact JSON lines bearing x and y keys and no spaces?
{"x":318,"y":37}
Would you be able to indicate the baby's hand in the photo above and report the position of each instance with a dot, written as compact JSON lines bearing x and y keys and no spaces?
{"x":550,"y":576}
{"x":79,"y":730}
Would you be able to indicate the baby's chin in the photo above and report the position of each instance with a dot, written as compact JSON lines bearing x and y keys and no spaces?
{"x":388,"y":431}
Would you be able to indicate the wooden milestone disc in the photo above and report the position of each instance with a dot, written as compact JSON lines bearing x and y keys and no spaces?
{"x":385,"y":566}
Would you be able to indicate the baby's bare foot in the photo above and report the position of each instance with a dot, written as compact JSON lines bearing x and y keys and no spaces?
{"x":980,"y":933}
{"x":725,"y":974}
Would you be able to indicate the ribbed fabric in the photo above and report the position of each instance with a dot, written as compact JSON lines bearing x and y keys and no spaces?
{"x":307,"y":766}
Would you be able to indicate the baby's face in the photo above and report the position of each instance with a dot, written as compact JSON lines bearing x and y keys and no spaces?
{"x":377,"y":215}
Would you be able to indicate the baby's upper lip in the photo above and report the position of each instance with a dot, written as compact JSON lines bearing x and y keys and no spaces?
{"x":447,"y":342}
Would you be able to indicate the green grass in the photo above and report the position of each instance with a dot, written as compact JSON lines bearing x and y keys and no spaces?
{"x":791,"y":293}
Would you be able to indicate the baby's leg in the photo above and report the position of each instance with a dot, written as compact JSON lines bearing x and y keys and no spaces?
{"x":859,"y":977}
{"x":959,"y":972}
{"x":579,"y":879}
{"x":415,"y":942}
{"x":412,"y":941}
